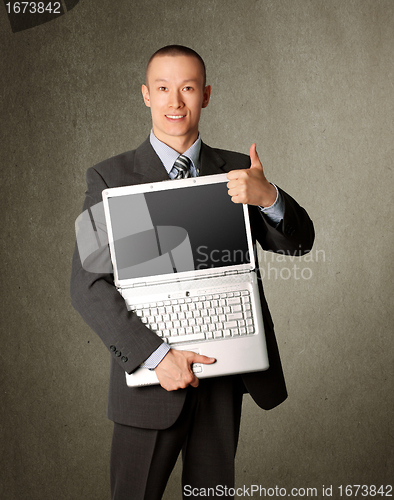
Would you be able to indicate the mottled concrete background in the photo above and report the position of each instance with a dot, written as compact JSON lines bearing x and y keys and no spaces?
{"x":310,"y":81}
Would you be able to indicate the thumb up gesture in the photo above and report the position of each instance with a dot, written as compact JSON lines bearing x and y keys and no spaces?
{"x":249,"y":185}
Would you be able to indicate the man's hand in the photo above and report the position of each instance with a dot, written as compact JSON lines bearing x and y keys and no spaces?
{"x":175,"y":371}
{"x":250,"y":185}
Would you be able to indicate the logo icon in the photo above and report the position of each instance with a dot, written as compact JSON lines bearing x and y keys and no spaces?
{"x":140,"y":247}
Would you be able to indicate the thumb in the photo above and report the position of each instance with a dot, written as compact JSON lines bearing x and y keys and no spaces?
{"x":254,"y":157}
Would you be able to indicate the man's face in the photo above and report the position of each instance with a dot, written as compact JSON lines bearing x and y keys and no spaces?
{"x":175,"y":95}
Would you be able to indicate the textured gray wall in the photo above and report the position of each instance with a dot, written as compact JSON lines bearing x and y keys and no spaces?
{"x":310,"y":81}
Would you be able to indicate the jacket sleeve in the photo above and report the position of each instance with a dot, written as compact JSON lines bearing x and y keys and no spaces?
{"x":96,"y":299}
{"x":294,"y":235}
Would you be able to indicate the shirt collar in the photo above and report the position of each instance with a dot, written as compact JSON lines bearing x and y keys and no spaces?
{"x":168,"y":155}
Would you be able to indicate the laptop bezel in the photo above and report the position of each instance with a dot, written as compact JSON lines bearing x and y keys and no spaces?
{"x":109,"y":193}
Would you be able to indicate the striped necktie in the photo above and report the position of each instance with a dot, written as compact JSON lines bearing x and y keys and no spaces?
{"x":182,"y":165}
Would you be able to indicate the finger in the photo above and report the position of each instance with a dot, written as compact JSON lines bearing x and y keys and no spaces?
{"x":200,"y":358}
{"x":254,"y":157}
{"x":234,"y":191}
{"x":194,"y":382}
{"x":234,"y":174}
{"x":241,"y":180}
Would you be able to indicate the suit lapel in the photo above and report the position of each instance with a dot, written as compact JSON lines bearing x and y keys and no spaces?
{"x":148,"y":165}
{"x":211,"y":162}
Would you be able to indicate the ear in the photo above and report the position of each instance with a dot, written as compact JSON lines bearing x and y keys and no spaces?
{"x":145,"y":95}
{"x":206,"y":96}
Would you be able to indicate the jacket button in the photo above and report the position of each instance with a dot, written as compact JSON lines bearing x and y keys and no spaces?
{"x":289,"y":229}
{"x":125,"y":359}
{"x":112,"y":348}
{"x":118,"y":354}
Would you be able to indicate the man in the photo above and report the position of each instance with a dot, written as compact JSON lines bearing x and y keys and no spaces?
{"x":201,"y":418}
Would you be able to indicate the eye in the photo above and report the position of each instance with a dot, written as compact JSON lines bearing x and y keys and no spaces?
{"x":187,"y":88}
{"x":162,"y":89}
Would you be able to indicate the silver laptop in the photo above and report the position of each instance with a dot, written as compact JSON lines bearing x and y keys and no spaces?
{"x":183,"y":261}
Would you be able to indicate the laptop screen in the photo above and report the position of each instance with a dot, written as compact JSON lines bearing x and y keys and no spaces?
{"x":177,"y":230}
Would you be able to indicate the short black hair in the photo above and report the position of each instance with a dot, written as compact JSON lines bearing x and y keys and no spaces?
{"x":177,"y":50}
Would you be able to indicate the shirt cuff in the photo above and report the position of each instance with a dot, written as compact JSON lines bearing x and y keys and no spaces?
{"x":156,"y":356}
{"x":276,"y":211}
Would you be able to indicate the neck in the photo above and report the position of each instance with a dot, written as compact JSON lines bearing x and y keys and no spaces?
{"x":179,"y":144}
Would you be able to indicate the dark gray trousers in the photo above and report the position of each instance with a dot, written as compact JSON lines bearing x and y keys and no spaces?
{"x":207,"y":433}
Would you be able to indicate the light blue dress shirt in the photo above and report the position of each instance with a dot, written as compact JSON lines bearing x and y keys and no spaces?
{"x":167,"y":155}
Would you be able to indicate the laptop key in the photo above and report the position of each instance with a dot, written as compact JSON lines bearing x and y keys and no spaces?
{"x":236,"y":308}
{"x":186,"y":338}
{"x":233,"y":316}
{"x":233,"y":301}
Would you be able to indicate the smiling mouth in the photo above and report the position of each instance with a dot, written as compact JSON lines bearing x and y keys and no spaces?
{"x":175,"y":117}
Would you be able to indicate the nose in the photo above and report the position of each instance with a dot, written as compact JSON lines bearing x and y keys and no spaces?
{"x":176,"y":100}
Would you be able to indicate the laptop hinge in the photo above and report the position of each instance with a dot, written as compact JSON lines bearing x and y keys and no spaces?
{"x":228,"y":273}
{"x":216,"y":275}
{"x":178,"y":280}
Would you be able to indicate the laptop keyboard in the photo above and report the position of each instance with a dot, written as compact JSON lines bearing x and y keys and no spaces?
{"x":205,"y":317}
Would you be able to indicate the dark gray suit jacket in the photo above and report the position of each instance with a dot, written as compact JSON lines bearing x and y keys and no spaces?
{"x":102,"y":307}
